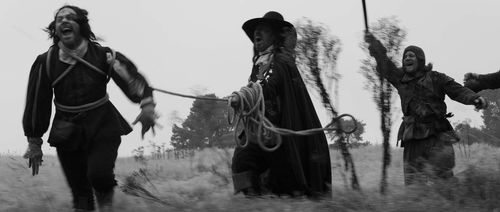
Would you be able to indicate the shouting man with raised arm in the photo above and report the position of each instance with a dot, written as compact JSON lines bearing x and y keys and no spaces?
{"x":425,"y":134}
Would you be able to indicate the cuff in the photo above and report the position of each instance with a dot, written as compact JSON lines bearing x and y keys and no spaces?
{"x":35,"y":140}
{"x":147,"y":101}
{"x":476,"y":96}
{"x":484,"y":82}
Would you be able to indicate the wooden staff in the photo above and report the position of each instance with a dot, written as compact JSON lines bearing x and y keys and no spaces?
{"x":366,"y":16}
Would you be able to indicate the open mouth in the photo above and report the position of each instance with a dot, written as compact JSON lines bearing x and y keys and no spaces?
{"x":408,"y":63}
{"x":66,"y":30}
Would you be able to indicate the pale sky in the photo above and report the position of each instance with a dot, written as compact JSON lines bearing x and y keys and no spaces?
{"x":191,"y":46}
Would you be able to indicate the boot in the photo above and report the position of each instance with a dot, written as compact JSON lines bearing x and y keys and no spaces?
{"x":105,"y":200}
{"x":247,"y":183}
{"x":84,"y":204}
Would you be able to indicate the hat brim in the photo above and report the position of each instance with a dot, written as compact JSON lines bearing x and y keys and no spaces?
{"x":250,"y":25}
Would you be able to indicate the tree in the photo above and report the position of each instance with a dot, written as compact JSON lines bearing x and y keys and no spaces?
{"x":204,"y":127}
{"x":317,"y":52}
{"x":468,"y":135}
{"x":388,"y":31}
{"x":489,"y":133}
{"x":356,"y":138}
{"x":357,"y":135}
{"x":491,"y":116}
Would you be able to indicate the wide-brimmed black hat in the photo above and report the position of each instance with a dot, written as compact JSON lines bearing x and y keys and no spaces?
{"x":273,"y":18}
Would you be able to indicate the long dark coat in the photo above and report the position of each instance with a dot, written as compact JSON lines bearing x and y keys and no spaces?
{"x":302,"y":163}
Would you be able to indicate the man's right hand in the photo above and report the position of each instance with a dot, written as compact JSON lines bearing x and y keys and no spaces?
{"x":34,"y":154}
{"x":234,"y":101}
{"x":374,"y":46}
{"x":471,"y":79}
{"x":147,"y":117}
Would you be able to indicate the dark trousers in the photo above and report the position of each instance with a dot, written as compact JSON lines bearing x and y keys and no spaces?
{"x":257,"y":172}
{"x":428,"y":159}
{"x":248,"y":165}
{"x":91,"y":168}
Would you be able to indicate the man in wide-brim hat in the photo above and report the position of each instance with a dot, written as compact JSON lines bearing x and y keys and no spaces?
{"x":272,"y":18}
{"x":281,"y":27}
{"x":301,"y":165}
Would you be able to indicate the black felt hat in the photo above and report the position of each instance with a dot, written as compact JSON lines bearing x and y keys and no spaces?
{"x":273,"y":18}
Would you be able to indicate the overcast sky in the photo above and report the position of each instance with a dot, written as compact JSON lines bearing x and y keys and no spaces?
{"x":190,"y":46}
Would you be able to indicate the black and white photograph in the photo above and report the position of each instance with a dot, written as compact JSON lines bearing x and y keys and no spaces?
{"x":239,"y":105}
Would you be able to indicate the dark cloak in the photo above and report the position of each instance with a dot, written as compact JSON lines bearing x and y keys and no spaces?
{"x":302,"y":163}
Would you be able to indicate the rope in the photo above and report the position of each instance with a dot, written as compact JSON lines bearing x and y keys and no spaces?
{"x":188,"y":96}
{"x":250,"y":113}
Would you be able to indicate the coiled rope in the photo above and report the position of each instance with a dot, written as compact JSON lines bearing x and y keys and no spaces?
{"x":250,"y":113}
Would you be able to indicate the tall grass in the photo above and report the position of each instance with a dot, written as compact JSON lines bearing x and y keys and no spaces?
{"x":203,"y":183}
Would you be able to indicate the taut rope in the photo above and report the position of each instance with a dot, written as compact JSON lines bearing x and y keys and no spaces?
{"x":189,"y":96}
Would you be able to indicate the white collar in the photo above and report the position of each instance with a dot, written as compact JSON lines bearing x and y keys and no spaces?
{"x":263,"y":61}
{"x":267,"y":51}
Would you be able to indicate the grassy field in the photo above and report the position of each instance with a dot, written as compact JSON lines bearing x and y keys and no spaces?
{"x":203,"y":183}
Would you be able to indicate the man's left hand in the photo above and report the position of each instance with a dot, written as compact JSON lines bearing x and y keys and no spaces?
{"x":34,"y":154}
{"x":471,"y":80}
{"x":480,"y":103}
{"x":147,"y":117}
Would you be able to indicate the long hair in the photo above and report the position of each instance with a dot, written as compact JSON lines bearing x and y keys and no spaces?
{"x":278,"y":42}
{"x":81,"y":20}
